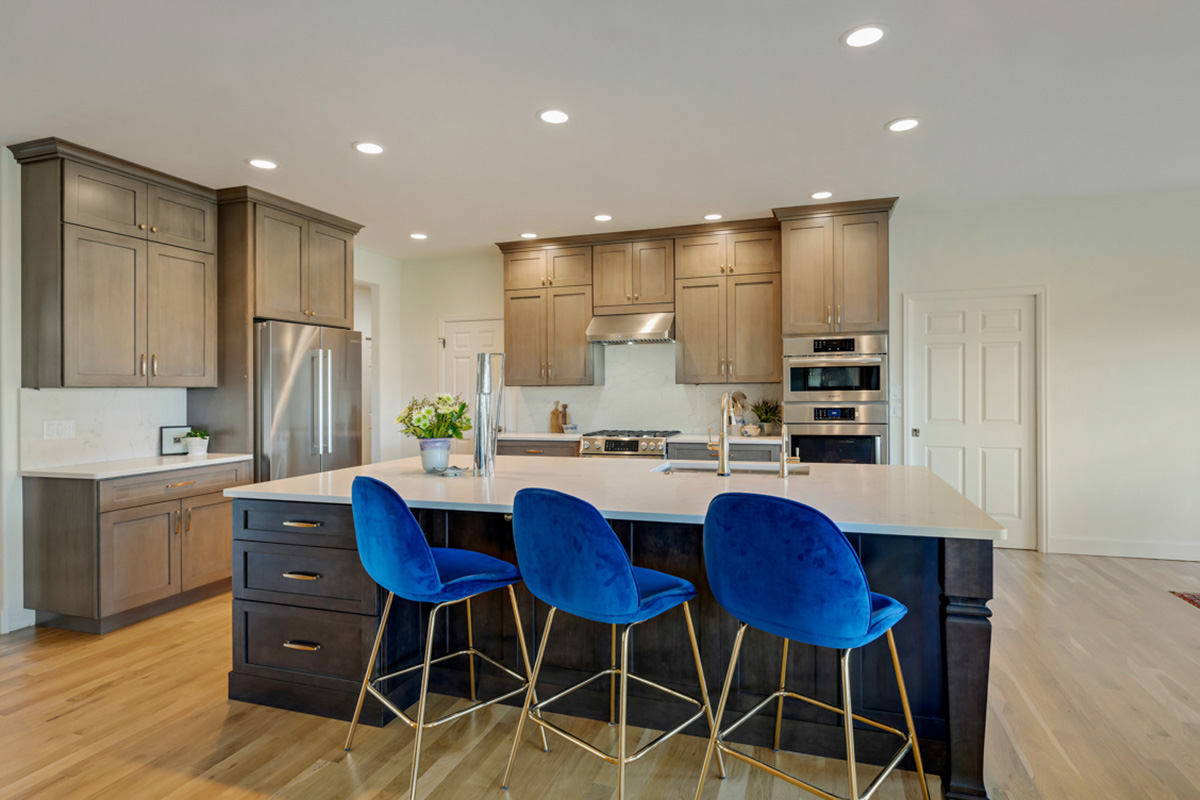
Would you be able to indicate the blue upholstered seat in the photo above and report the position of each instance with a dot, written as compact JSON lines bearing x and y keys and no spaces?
{"x":395,"y":554}
{"x":571,"y":559}
{"x":787,"y":569}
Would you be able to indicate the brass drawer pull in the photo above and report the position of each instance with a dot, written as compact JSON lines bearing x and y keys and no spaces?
{"x":303,"y":576}
{"x":290,"y":524}
{"x":535,"y":451}
{"x":182,"y":483}
{"x":308,"y":647}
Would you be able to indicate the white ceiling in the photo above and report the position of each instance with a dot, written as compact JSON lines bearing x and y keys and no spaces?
{"x":677,"y":108}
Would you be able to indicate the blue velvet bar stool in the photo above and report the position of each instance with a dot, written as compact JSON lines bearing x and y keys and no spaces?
{"x":395,"y":554}
{"x":573,"y":561}
{"x":787,"y":569}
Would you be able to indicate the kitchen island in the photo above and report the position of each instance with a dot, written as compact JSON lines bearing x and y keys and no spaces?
{"x":305,"y":613}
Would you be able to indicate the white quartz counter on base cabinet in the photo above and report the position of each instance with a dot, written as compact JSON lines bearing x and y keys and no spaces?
{"x":104,"y":470}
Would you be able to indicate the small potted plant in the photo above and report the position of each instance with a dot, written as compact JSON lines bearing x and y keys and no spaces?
{"x":768,"y":414}
{"x":435,"y":423}
{"x":196,"y":441}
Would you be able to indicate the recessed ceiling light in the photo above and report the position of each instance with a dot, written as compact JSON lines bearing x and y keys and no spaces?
{"x":528,"y":235}
{"x":368,"y":148}
{"x":903,"y":124}
{"x":418,"y":236}
{"x":602,"y":217}
{"x":712,"y":216}
{"x":822,"y":195}
{"x":262,"y":163}
{"x":862,"y":36}
{"x":553,"y":116}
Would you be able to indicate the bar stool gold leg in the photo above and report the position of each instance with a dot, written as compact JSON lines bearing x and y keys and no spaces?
{"x":537,"y":666}
{"x":912,"y":731}
{"x":471,"y":648}
{"x":712,"y":739}
{"x":420,"y":726}
{"x":362,"y":694}
{"x":621,"y":745}
{"x":782,"y":685}
{"x":848,"y":720}
{"x":612,"y":679}
{"x":512,"y":596}
{"x":687,"y":614}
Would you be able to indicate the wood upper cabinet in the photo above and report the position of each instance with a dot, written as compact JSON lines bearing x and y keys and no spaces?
{"x":725,"y":253}
{"x":835,"y":273}
{"x":181,"y":317}
{"x":569,"y":356}
{"x":98,"y":198}
{"x":525,"y":337}
{"x":727,"y":329}
{"x":626,"y":276}
{"x":612,"y":274}
{"x":654,"y":272}
{"x":330,"y":277}
{"x":206,"y":540}
{"x":280,"y":265}
{"x":139,"y":556}
{"x":525,"y":270}
{"x":182,"y":220}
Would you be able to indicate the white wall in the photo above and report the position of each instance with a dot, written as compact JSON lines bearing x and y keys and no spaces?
{"x":1122,"y":280}
{"x":12,"y":611}
{"x":388,"y":340}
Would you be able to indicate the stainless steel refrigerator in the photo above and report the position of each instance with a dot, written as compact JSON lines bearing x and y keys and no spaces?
{"x":308,"y":399}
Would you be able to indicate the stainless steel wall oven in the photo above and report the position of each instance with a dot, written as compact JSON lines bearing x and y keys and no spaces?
{"x":827,"y":369}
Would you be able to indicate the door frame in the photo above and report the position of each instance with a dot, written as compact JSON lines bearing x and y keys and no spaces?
{"x":376,"y":383}
{"x":511,"y":397}
{"x":1041,"y":393}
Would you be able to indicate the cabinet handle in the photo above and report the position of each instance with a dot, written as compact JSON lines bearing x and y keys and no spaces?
{"x":143,"y":365}
{"x":543,"y":281}
{"x":188,"y":526}
{"x":829,"y":315}
{"x":549,"y":371}
{"x":839,"y":316}
{"x":176,"y":523}
{"x":303,"y":576}
{"x":290,"y":524}
{"x":153,"y":228}
{"x":308,"y":647}
{"x":542,"y":371}
{"x":722,"y":268}
{"x":181,"y":483}
{"x":154,"y":365}
{"x":729,"y":268}
{"x":535,"y":452}
{"x":635,"y":297}
{"x":627,"y":297}
{"x":142,"y":226}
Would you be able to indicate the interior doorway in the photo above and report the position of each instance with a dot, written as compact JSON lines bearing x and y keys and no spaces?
{"x":366,"y":311}
{"x":973,"y":366}
{"x":461,"y":341}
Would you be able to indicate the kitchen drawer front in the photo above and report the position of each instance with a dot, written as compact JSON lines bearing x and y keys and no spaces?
{"x":314,"y":577}
{"x":137,"y":490}
{"x":737,"y":452}
{"x":518,"y":447}
{"x":281,"y":522}
{"x":302,"y":645}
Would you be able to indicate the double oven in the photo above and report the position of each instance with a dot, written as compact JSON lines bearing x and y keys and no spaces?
{"x":835,"y":398}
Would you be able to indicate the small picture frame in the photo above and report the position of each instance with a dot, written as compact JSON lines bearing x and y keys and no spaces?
{"x":171,"y":440}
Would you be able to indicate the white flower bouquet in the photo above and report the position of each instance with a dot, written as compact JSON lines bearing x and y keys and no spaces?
{"x":444,"y":417}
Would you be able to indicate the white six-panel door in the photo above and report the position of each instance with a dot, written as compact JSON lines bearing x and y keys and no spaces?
{"x":464,"y":341}
{"x":972,"y":397}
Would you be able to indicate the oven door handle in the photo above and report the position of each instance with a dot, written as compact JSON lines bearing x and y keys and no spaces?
{"x":824,"y":361}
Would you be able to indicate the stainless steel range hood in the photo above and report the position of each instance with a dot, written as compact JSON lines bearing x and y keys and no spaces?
{"x":632,"y":328}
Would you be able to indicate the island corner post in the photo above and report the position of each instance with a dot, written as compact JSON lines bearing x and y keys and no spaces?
{"x":944,"y":641}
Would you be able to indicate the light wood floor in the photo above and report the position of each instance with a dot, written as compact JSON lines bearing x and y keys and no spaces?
{"x":1095,"y":693}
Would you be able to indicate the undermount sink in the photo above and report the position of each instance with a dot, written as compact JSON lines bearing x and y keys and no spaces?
{"x":766,"y":469}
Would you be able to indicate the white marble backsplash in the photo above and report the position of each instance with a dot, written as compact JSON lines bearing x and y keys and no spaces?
{"x":110,"y":424}
{"x":639,"y":391}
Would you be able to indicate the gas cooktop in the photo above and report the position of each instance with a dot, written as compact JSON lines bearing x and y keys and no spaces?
{"x":625,"y":443}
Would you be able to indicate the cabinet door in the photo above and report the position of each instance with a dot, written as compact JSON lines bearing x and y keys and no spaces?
{"x":808,"y":275}
{"x":182,"y":220}
{"x":525,"y":270}
{"x":860,"y":272}
{"x":569,"y":359}
{"x":280,"y":265}
{"x":104,"y":309}
{"x":700,"y":330}
{"x":753,"y":252}
{"x":206,"y":547}
{"x":612,"y":274}
{"x":329,"y":289}
{"x":654,"y":272}
{"x":569,"y":266}
{"x":181,"y":317}
{"x":525,"y":338}
{"x":139,"y":556}
{"x":700,"y":256}
{"x":755,"y":353}
{"x":96,"y":198}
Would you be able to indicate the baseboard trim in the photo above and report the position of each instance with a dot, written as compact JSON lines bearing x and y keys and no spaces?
{"x":1126,"y":548}
{"x":15,"y":619}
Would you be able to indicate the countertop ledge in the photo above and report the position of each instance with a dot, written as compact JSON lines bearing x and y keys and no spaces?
{"x":683,"y":438}
{"x":861,"y":498}
{"x":104,"y":470}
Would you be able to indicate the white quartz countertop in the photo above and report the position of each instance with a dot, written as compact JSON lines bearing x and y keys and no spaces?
{"x":899,"y":500}
{"x":103,"y":470}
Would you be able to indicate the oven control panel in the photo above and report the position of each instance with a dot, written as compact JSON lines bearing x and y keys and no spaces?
{"x":833,"y":345}
{"x":840,"y":414}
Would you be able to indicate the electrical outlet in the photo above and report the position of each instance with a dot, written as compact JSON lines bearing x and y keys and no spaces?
{"x":58,"y":429}
{"x":895,"y":393}
{"x":897,"y":410}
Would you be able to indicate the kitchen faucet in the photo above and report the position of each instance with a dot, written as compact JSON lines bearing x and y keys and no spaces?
{"x":730,"y":405}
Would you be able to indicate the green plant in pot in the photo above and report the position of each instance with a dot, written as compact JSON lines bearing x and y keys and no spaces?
{"x":435,"y":423}
{"x":769,"y":414}
{"x":196,"y":441}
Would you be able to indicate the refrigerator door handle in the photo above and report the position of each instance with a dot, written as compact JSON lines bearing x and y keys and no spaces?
{"x":318,"y":403}
{"x":329,"y":401}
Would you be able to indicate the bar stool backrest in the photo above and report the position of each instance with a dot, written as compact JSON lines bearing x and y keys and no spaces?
{"x":391,"y":544}
{"x":786,"y":568}
{"x":570,"y":557}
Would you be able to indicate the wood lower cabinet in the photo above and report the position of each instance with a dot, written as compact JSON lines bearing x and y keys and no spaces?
{"x":103,"y":554}
{"x":741,"y":252}
{"x":727,"y":329}
{"x":545,"y":337}
{"x":538,"y":447}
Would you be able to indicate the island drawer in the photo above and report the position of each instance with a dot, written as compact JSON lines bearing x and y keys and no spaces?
{"x":140,"y":490}
{"x":522,"y":447}
{"x":280,"y":522}
{"x":298,"y":575}
{"x":301,"y":645}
